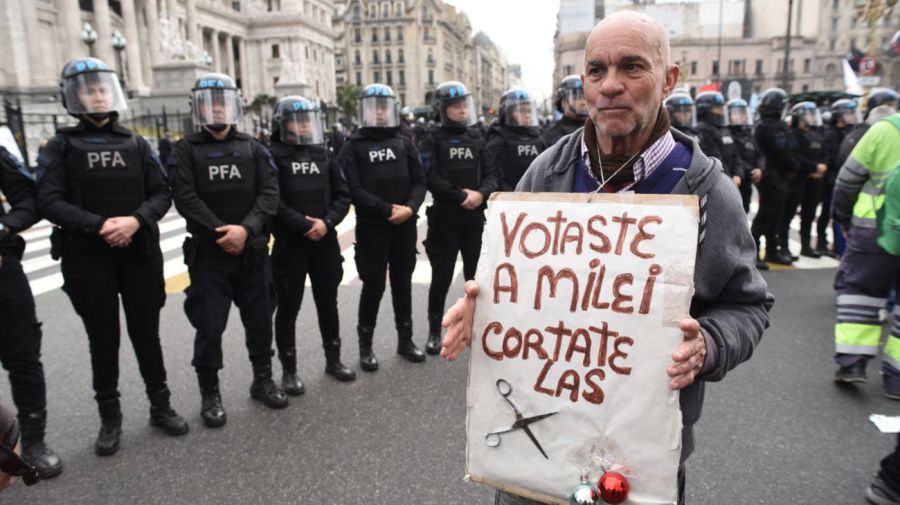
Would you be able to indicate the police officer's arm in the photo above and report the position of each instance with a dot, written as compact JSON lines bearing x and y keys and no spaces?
{"x":710,"y":145}
{"x":266,"y":205}
{"x":488,"y":174}
{"x":184,"y":191}
{"x":494,"y":150}
{"x":158,"y":194}
{"x":340,"y":196}
{"x":804,"y":162}
{"x":53,"y":192}
{"x":19,"y":192}
{"x":363,"y":200}
{"x":777,"y":148}
{"x":440,"y":188}
{"x":417,"y":185}
{"x":291,"y":219}
{"x":832,"y":147}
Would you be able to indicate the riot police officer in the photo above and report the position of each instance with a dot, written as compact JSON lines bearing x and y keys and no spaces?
{"x":20,"y":333}
{"x":571,"y":104}
{"x":387,"y":186}
{"x":105,"y":191}
{"x":844,"y":116}
{"x":314,"y":199}
{"x":715,"y":138}
{"x":460,"y":177}
{"x":515,"y":141}
{"x":773,"y":140}
{"x":225,"y":186}
{"x":740,"y":124}
{"x":804,"y":187}
{"x":881,"y":103}
{"x":407,"y":118}
{"x":682,"y":113}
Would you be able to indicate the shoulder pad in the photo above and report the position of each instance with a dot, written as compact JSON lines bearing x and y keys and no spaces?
{"x":121,"y":130}
{"x":241,"y":136}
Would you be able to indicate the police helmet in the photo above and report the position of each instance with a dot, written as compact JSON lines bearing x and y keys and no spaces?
{"x":773,"y":103}
{"x":378,"y":107}
{"x":518,"y":108}
{"x":454,"y":95}
{"x":847,"y":110}
{"x":738,"y":113}
{"x":406,"y":113}
{"x":805,"y":113}
{"x":680,"y":107}
{"x":570,"y":96}
{"x":216,"y":102}
{"x":89,"y":86}
{"x":879,"y":97}
{"x":298,"y":120}
{"x":711,"y":108}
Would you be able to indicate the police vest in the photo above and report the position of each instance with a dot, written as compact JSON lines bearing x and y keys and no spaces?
{"x":225,"y":175}
{"x":519,"y":151}
{"x":104,"y":171}
{"x":459,"y":157}
{"x":303,"y":178}
{"x":383,"y":168}
{"x":729,"y":148}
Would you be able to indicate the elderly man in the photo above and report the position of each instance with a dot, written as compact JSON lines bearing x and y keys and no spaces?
{"x":627,"y":145}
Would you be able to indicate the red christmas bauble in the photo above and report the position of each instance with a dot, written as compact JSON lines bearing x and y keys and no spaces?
{"x":613,"y":488}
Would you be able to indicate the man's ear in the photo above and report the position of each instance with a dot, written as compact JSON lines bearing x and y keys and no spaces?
{"x":671,"y":79}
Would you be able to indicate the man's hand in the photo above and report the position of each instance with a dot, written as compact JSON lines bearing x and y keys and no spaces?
{"x":756,"y":175}
{"x":820,"y":171}
{"x":473,"y":200}
{"x":117,"y":231}
{"x":400,"y":214}
{"x":6,"y":480}
{"x":458,"y":321}
{"x":737,"y":180}
{"x":318,"y":229}
{"x":688,"y":358}
{"x":234,"y":239}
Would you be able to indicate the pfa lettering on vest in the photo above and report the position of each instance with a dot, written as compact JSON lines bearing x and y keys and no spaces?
{"x":379,"y":155}
{"x":305,"y":168}
{"x":223,"y":172}
{"x":461,"y":153}
{"x":105,"y":159}
{"x":527,"y":150}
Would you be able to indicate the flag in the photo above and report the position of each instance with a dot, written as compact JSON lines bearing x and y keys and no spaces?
{"x":851,"y":83}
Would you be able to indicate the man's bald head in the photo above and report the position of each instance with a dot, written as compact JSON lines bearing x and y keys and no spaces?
{"x":650,"y":31}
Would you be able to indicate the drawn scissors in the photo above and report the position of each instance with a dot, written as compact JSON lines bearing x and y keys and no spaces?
{"x":493,"y":439}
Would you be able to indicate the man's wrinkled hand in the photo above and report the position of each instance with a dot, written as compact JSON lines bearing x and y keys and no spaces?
{"x":458,"y":322}
{"x":318,"y":229}
{"x":473,"y":200}
{"x":233,"y":240}
{"x":688,"y":358}
{"x":400,"y":214}
{"x":117,"y":231}
{"x":756,"y":175}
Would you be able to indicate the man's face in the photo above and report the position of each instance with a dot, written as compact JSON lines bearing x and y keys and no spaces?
{"x":576,"y":103}
{"x":381,"y":112}
{"x":219,"y":109}
{"x":624,"y":79}
{"x":738,"y":116}
{"x":522,"y":114}
{"x":458,"y":111}
{"x":95,"y":96}
{"x":683,"y":116}
{"x":299,"y":126}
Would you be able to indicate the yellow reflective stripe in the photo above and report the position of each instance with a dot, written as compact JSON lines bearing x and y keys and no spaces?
{"x":892,"y":348}
{"x":867,"y":207}
{"x":857,"y":334}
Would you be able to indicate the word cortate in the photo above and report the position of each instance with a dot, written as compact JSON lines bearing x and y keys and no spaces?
{"x":527,"y":150}
{"x":305,"y":167}
{"x":461,"y":153}
{"x":105,"y":159}
{"x":385,"y":154}
{"x":223,"y":172}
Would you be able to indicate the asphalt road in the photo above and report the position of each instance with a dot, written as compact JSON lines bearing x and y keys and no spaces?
{"x":775,"y":431}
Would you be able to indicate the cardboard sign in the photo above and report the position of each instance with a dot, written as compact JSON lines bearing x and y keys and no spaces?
{"x":577,"y":318}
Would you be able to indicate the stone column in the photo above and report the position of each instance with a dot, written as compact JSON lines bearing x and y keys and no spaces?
{"x":229,"y":56}
{"x":69,"y":29}
{"x":37,"y":59}
{"x":245,"y":75}
{"x":216,"y":52}
{"x":152,"y":13}
{"x":103,"y":24}
{"x":133,"y":48}
{"x":170,"y":11}
{"x":190,"y":21}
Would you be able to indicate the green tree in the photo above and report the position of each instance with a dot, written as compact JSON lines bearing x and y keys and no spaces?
{"x":347,"y":97}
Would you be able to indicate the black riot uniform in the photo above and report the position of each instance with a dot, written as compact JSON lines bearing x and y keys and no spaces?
{"x":844,"y":115}
{"x":715,"y":139}
{"x":217,"y":182}
{"x":20,"y":333}
{"x":312,"y":190}
{"x":772,"y":137}
{"x":383,"y":170}
{"x":745,"y":146}
{"x":98,"y":174}
{"x":571,"y":104}
{"x":805,"y":187}
{"x":456,"y":163}
{"x":515,"y":140}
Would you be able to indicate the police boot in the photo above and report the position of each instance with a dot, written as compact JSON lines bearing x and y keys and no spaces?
{"x":807,"y":250}
{"x":405,"y":345}
{"x":434,"y":335}
{"x":290,"y":382}
{"x":162,"y":415}
{"x":333,"y":365}
{"x":211,"y":409}
{"x":34,"y":451}
{"x":107,"y":442}
{"x":760,"y":264}
{"x":367,"y":359}
{"x":264,"y":390}
{"x":773,"y":255}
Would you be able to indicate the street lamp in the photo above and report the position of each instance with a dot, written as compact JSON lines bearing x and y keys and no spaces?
{"x":89,"y":36}
{"x":206,"y":59}
{"x":119,"y":42}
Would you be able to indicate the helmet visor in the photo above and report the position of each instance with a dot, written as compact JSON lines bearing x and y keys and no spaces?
{"x":811,"y":117}
{"x":682,"y":116}
{"x":521,"y":112}
{"x":217,"y":106}
{"x":94,"y":93}
{"x":302,"y":128}
{"x":850,"y":116}
{"x":739,"y":116}
{"x":379,"y":112}
{"x":459,"y":112}
{"x":574,"y":101}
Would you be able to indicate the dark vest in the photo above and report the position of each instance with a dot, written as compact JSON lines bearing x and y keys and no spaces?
{"x":383,"y":169}
{"x":225,"y":175}
{"x":520,"y":149}
{"x":303,"y":178}
{"x":459,"y":157}
{"x":104,"y":171}
{"x":745,"y":145}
